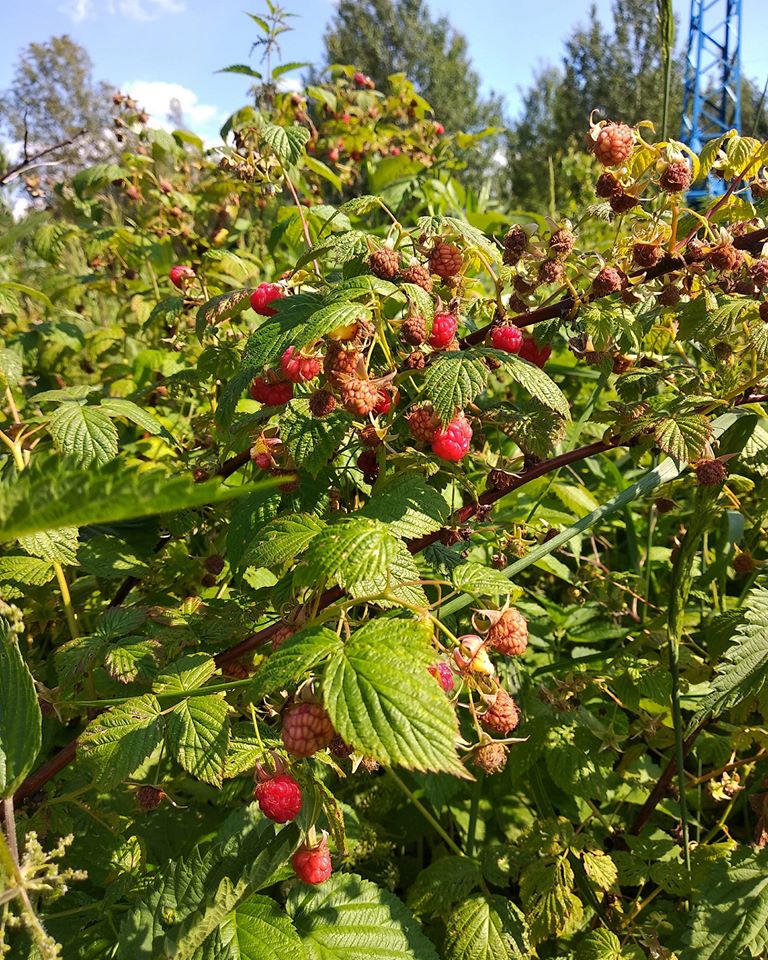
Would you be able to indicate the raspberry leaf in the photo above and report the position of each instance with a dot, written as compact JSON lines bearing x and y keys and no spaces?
{"x":84,"y":433}
{"x":198,"y":736}
{"x":482,"y":581}
{"x":486,"y":928}
{"x":442,"y":884}
{"x":311,"y":441}
{"x":385,"y":708}
{"x":120,"y":740}
{"x":348,"y":552}
{"x":348,"y":917}
{"x":282,"y":540}
{"x":296,"y":656}
{"x":408,"y":505}
{"x":20,"y":718}
{"x":452,"y":382}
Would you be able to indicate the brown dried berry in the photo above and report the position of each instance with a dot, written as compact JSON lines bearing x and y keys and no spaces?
{"x":214,"y":564}
{"x":759,"y":273}
{"x":414,"y":330}
{"x":622,"y":202}
{"x":669,"y":295}
{"x":149,"y":797}
{"x":621,"y":363}
{"x":499,"y":561}
{"x":491,"y":757}
{"x":743,"y":563}
{"x":676,"y":178}
{"x":763,"y":311}
{"x":359,"y":396}
{"x":561,"y":242}
{"x":445,"y":260}
{"x":418,"y":274}
{"x":665,"y":505}
{"x":724,"y":258}
{"x":522,"y":285}
{"x":695,"y":251}
{"x":415,"y":361}
{"x":711,"y":473}
{"x":607,"y":185}
{"x":607,"y":281}
{"x":515,"y":244}
{"x":369,"y":436}
{"x":384,"y":262}
{"x":516,"y":305}
{"x":340,"y":749}
{"x":551,"y":271}
{"x":612,"y":144}
{"x":500,"y":480}
{"x":647,"y":255}
{"x":723,"y":351}
{"x":502,"y":716}
{"x":321,"y":403}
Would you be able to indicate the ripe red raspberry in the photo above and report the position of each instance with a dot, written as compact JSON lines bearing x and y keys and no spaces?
{"x":149,"y":797}
{"x":561,"y":242}
{"x":607,"y":281}
{"x":443,"y":674}
{"x":507,"y":336}
{"x":321,"y":403}
{"x":676,"y":178}
{"x":711,"y":473}
{"x":312,"y":864}
{"x":359,"y":396}
{"x":515,"y":244}
{"x":271,"y":394}
{"x":607,"y":186}
{"x":453,"y":442}
{"x":263,"y":295}
{"x":369,"y":464}
{"x":414,"y":330}
{"x":612,"y":143}
{"x":724,"y":258}
{"x":419,"y":275}
{"x":306,"y":729}
{"x":279,"y":798}
{"x":423,"y":423}
{"x":384,"y":403}
{"x":535,"y":353}
{"x":359,"y":79}
{"x":298,"y":367}
{"x":502,"y":715}
{"x":384,"y":263}
{"x":181,"y":276}
{"x":491,"y":757}
{"x":443,"y":329}
{"x":445,"y":260}
{"x":439,"y":128}
{"x":647,"y":255}
{"x":509,"y":634}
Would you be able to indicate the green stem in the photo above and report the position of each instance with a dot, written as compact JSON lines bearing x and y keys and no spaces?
{"x":66,"y":598}
{"x":450,"y":843}
{"x":169,"y":695}
{"x":473,"y":812}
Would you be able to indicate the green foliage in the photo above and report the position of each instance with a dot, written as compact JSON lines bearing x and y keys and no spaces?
{"x":20,"y":735}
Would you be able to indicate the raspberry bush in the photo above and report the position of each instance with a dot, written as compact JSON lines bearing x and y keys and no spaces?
{"x":381,"y":571}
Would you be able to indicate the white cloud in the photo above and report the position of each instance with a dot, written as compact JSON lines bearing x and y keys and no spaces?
{"x":156,"y":96}
{"x":290,"y":84}
{"x":141,"y":10}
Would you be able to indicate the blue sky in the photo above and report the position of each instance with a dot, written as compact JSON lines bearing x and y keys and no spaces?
{"x":158,"y":49}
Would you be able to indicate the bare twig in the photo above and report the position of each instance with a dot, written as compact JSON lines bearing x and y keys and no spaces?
{"x":12,"y":172}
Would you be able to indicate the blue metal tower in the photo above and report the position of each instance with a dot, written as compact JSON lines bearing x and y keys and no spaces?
{"x":712,"y":91}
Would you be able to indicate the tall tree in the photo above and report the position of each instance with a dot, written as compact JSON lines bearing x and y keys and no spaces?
{"x":381,"y":37}
{"x":53,"y":97}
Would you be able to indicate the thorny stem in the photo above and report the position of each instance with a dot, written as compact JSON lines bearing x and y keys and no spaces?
{"x":450,"y":843}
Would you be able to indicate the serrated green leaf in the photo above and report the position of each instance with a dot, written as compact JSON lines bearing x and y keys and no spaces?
{"x":452,"y":382}
{"x":283,"y":539}
{"x":223,"y":307}
{"x":11,"y":368}
{"x":421,"y":300}
{"x":600,"y":869}
{"x":20,"y":717}
{"x":296,"y":656}
{"x":258,"y":929}
{"x":347,"y":552}
{"x":386,"y":710}
{"x":400,"y":583}
{"x":117,"y":407}
{"x":84,"y":433}
{"x":120,"y":740}
{"x":684,"y":436}
{"x":600,"y":944}
{"x":347,"y":918}
{"x":442,"y":884}
{"x":481,"y":581}
{"x":730,"y":911}
{"x":319,"y":168}
{"x":30,"y":571}
{"x":286,"y":142}
{"x":486,"y":928}
{"x":408,"y":505}
{"x":537,"y":383}
{"x":198,"y":736}
{"x":132,"y":658}
{"x":187,"y":673}
{"x":312,"y":441}
{"x":55,"y":545}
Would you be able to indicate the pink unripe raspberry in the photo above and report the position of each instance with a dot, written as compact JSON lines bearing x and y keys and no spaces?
{"x":279,"y":798}
{"x":443,"y":674}
{"x":263,"y":295}
{"x":443,"y":329}
{"x":423,"y":423}
{"x":306,"y":729}
{"x":298,"y":367}
{"x":508,"y":337}
{"x":612,"y":143}
{"x":452,"y":443}
{"x":271,"y":394}
{"x":181,"y":276}
{"x":313,"y":864}
{"x":439,"y":129}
